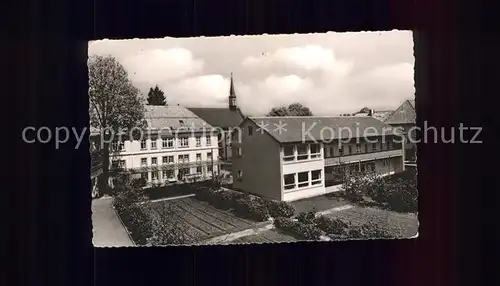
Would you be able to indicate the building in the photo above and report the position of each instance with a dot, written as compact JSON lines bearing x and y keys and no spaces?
{"x":292,"y":158}
{"x":381,"y":115}
{"x":404,"y":117}
{"x":177,"y":147}
{"x":224,"y":119}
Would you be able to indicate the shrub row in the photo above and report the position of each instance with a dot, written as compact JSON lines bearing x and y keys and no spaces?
{"x":300,"y":229}
{"x":246,"y":205}
{"x":135,"y":217}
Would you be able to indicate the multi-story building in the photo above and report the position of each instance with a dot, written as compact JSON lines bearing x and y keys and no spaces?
{"x":224,"y":119}
{"x":177,"y":146}
{"x":290,"y":158}
{"x":404,"y":118}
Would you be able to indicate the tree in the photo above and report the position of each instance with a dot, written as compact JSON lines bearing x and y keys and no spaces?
{"x":156,"y":96}
{"x":294,"y":109}
{"x":115,"y":105}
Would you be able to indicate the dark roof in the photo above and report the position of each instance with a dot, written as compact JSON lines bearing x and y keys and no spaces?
{"x":173,"y":117}
{"x":308,"y":128}
{"x":405,"y":114}
{"x":219,"y":117}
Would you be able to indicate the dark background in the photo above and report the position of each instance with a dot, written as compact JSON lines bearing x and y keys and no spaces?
{"x":50,"y":231}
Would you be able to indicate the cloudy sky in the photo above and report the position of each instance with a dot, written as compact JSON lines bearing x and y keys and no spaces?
{"x":330,"y":73}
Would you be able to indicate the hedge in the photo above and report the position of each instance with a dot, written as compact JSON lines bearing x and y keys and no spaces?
{"x":302,"y":230}
{"x":279,"y":209}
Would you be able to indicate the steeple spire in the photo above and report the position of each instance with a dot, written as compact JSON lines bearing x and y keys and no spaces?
{"x":232,"y":95}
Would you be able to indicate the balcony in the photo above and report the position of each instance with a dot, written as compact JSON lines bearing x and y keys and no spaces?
{"x":363,"y":157}
{"x":171,"y":166}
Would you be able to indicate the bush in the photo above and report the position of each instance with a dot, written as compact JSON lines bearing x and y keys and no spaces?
{"x":251,"y":208}
{"x":138,"y":183}
{"x":403,"y":199}
{"x":280,"y":209}
{"x":306,"y":217}
{"x":302,"y":230}
{"x":335,"y":226}
{"x":372,"y":230}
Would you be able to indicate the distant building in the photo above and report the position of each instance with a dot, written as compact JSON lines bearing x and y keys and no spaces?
{"x":404,"y":117}
{"x":377,"y":114}
{"x":224,"y":119}
{"x":282,"y":161}
{"x":178,"y":146}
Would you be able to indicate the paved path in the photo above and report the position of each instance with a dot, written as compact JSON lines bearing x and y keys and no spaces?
{"x":107,"y":228}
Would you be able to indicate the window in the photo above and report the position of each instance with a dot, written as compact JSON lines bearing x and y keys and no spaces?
{"x":167,"y":142}
{"x":168,"y":159}
{"x":374,"y":146}
{"x":288,"y":153}
{"x":239,"y":175}
{"x":363,"y":168}
{"x":389,"y":145}
{"x":350,"y":149}
{"x":183,"y":158}
{"x":181,"y":122}
{"x":316,"y":177}
{"x":154,"y":161}
{"x":315,"y":151}
{"x":143,"y":145}
{"x":385,"y":162}
{"x":144,"y":175}
{"x":118,"y":164}
{"x":183,"y":172}
{"x":289,"y":181}
{"x":198,"y":170}
{"x":239,"y":151}
{"x":209,"y":155}
{"x":302,"y":152}
{"x":209,"y":140}
{"x":153,"y":144}
{"x":198,"y":141}
{"x":198,"y":157}
{"x":303,"y":179}
{"x":184,"y":142}
{"x":154,"y":175}
{"x":209,"y":168}
{"x":117,"y":146}
{"x":168,"y":174}
{"x":144,"y":162}
{"x":358,"y":148}
{"x":327,"y":152}
{"x":250,"y":130}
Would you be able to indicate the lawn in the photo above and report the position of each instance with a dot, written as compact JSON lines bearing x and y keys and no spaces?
{"x":408,"y":223}
{"x":269,"y":236}
{"x":202,"y":221}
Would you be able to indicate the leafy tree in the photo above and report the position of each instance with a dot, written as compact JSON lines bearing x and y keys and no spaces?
{"x":294,"y":109}
{"x":115,"y":105}
{"x":156,"y":96}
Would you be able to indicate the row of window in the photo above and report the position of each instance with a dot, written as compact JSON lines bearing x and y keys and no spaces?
{"x":166,"y":143}
{"x":360,"y":148}
{"x":302,"y":179}
{"x":301,"y":152}
{"x":183,"y":158}
{"x":170,"y":174}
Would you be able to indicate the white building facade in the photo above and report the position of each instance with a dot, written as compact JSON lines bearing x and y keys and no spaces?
{"x":292,"y":162}
{"x":177,"y":147}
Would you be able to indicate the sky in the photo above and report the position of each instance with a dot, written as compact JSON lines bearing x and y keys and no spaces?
{"x":331,"y":73}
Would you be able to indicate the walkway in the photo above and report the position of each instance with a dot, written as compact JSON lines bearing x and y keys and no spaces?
{"x":108,"y":230}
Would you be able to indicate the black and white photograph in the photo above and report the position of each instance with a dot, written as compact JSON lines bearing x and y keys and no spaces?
{"x":253,"y":139}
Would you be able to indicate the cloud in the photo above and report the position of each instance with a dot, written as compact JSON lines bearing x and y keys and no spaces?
{"x":308,"y":58}
{"x":206,"y":90}
{"x":158,"y":65}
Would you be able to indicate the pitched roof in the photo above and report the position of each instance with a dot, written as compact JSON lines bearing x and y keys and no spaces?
{"x":320,"y":128}
{"x":220,"y":117}
{"x":404,"y":114}
{"x":173,"y":117}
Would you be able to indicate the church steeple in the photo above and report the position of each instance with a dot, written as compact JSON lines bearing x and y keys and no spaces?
{"x":232,"y":95}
